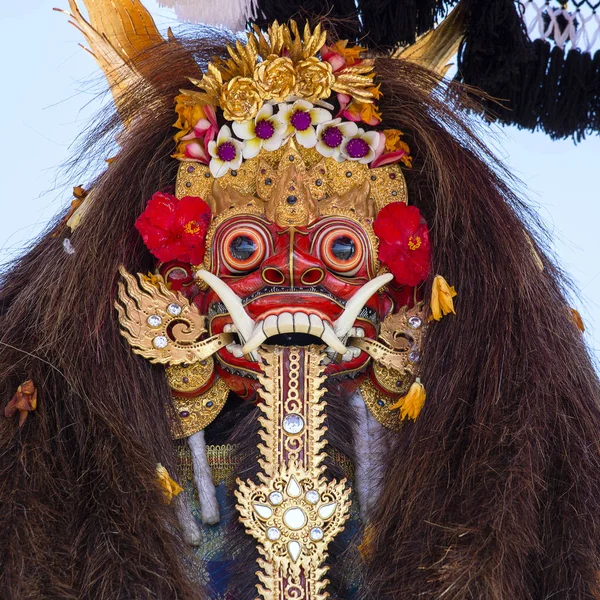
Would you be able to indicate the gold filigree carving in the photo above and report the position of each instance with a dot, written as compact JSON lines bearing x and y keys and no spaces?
{"x":395,"y":362}
{"x":190,"y":378}
{"x":328,"y":183}
{"x":379,"y":405}
{"x":294,"y":511}
{"x":194,"y":414}
{"x":162,"y":325}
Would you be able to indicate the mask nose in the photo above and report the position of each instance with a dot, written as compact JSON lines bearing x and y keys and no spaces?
{"x":293,"y":269}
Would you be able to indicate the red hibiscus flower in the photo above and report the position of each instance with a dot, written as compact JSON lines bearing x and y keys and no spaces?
{"x":403,"y":242}
{"x":175,"y":229}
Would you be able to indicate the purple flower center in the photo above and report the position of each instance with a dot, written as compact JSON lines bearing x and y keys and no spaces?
{"x":264,"y":130}
{"x":226,"y":152}
{"x":301,"y":120}
{"x":357,"y":148}
{"x":332,"y":137}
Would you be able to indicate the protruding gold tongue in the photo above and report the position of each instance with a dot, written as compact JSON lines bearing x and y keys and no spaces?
{"x":293,"y":512}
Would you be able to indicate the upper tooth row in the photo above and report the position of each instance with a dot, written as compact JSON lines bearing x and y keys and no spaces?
{"x":301,"y":323}
{"x":294,"y":323}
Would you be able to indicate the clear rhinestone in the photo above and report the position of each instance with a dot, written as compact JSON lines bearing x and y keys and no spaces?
{"x":414,"y":356}
{"x":154,"y":321}
{"x":160,"y":341}
{"x":293,"y":423}
{"x":275,"y":498}
{"x":295,"y":518}
{"x":273,"y":533}
{"x":316,"y":534}
{"x":326,"y":511}
{"x":174,"y":309}
{"x":294,"y":549}
{"x":263,"y":511}
{"x":312,"y":496}
{"x":415,"y":322}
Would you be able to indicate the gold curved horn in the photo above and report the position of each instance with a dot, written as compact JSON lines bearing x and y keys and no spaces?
{"x":434,"y":50}
{"x":117,"y":32}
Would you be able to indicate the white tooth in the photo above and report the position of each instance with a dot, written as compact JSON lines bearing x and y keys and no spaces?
{"x":285,"y":323}
{"x":237,"y":351}
{"x":230,"y":347}
{"x":270,"y":326}
{"x":242,"y":321}
{"x":348,"y":356}
{"x":301,"y":322}
{"x":354,"y":351}
{"x":227,"y":328}
{"x":316,"y":325}
{"x":352,"y":332}
{"x":360,"y":332}
{"x":329,"y":337}
{"x":257,"y":337}
{"x":343,"y":325}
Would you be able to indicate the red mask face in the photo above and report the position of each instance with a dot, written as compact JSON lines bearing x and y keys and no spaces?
{"x":294,"y":282}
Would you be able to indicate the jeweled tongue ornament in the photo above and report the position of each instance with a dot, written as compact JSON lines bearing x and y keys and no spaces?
{"x":295,"y":512}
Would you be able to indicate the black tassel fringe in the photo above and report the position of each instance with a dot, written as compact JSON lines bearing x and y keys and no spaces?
{"x":528,"y":84}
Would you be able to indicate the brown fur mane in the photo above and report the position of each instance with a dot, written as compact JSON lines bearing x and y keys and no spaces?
{"x":493,"y":493}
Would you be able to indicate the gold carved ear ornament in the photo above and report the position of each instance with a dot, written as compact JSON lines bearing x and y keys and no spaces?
{"x":162,"y":325}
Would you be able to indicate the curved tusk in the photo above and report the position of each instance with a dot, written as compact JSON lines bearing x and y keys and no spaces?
{"x":329,"y":337}
{"x":346,"y":321}
{"x":244,"y":324}
{"x":257,"y":337}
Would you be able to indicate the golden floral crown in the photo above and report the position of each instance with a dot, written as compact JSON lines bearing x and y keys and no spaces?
{"x":272,"y":95}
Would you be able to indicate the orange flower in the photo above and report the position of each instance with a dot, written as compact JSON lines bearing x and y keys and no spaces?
{"x":410,"y":405}
{"x":350,"y":55}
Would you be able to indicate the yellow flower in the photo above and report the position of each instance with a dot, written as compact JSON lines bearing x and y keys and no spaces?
{"x":276,"y":78}
{"x":441,"y":298}
{"x":392,"y":139}
{"x":170,"y":487}
{"x":577,"y":320}
{"x":189,"y":112}
{"x":240,"y":99}
{"x":411,"y":404}
{"x":315,"y":79}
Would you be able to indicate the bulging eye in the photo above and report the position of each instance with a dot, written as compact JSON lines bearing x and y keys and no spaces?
{"x":342,"y":251}
{"x":343,"y":248}
{"x":243,"y":249}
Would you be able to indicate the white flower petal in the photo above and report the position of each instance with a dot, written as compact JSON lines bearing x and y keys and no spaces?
{"x":307,"y":138}
{"x":301,"y":105}
{"x":348,"y":129}
{"x":245,"y":129}
{"x":218,"y":168}
{"x":212,"y":148}
{"x":284,"y":114}
{"x":368,"y":158}
{"x":280,"y":128}
{"x":252,"y":148}
{"x":324,"y":149}
{"x":224,"y":134}
{"x":319,"y":115}
{"x":236,"y":162}
{"x":264,"y":113}
{"x":372,"y":138}
{"x":274,"y":143}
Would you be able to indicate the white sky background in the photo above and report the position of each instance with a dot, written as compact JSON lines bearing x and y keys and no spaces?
{"x":49,"y":94}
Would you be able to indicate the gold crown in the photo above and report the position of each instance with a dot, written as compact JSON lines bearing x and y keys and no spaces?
{"x":294,"y":185}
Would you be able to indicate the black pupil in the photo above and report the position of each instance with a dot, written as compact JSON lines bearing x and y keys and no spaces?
{"x":343,"y":248}
{"x":242,"y":247}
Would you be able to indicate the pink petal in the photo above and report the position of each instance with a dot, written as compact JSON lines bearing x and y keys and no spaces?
{"x":197,"y":152}
{"x":388,"y":159}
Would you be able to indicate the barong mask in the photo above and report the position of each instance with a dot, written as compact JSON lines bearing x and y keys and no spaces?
{"x":288,"y":254}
